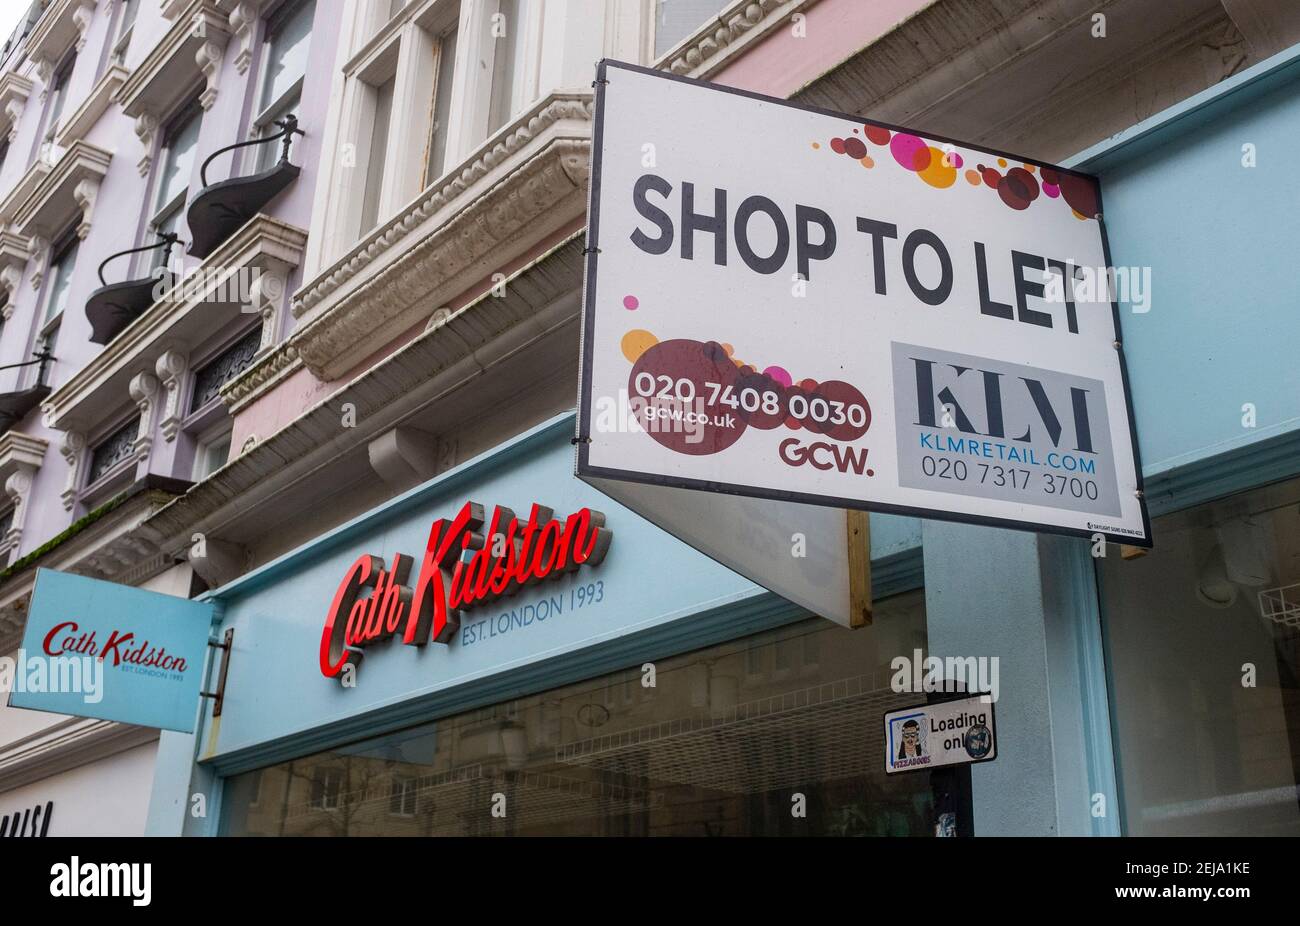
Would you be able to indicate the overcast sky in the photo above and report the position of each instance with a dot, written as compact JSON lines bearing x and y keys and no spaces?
{"x":11,"y":11}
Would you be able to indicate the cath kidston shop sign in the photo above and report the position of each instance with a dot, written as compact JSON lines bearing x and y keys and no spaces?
{"x":802,"y":306}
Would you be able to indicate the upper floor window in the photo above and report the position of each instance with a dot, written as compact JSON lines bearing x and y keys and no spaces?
{"x":284,"y":66}
{"x":436,"y":162}
{"x":452,"y":72}
{"x":62,"y":263}
{"x":112,"y":450}
{"x":6,"y":524}
{"x":377,"y":161}
{"x":675,"y":20}
{"x":506,"y":92}
{"x":179,"y":145}
{"x":224,"y":367}
{"x":125,"y":26}
{"x":56,"y":99}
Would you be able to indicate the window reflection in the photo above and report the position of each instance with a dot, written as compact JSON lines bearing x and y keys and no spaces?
{"x":718,"y":746}
{"x":1203,"y":641}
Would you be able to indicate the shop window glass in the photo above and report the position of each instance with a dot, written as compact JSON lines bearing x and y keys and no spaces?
{"x":1203,"y":647}
{"x":711,"y":754}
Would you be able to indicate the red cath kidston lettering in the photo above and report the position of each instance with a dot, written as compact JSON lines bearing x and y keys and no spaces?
{"x":463,"y":567}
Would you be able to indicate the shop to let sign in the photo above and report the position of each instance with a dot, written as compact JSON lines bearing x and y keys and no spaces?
{"x":934,"y":735}
{"x":806,"y":307}
{"x":98,"y":649}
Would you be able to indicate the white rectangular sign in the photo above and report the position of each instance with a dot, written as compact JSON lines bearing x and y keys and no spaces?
{"x":798,"y":305}
{"x":934,"y":735}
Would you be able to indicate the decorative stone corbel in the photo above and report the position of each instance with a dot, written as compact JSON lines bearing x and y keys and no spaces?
{"x":14,"y":112}
{"x":146,"y":127}
{"x":85,"y":193}
{"x":74,"y":452}
{"x":403,"y":457}
{"x":266,"y":295}
{"x":19,"y":488}
{"x":243,"y":23}
{"x":44,"y":71}
{"x":144,"y":389}
{"x":40,"y":255}
{"x":217,"y":561}
{"x":208,"y":58}
{"x":81,"y":18}
{"x":171,"y":368}
{"x":9,"y":278}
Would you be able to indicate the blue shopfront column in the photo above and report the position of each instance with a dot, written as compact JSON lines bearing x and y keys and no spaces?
{"x":1030,"y":601}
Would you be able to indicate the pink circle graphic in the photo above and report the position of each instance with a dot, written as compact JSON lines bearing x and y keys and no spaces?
{"x":780,"y":375}
{"x":631,"y":302}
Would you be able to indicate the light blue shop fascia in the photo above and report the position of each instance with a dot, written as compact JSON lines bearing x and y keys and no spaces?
{"x":1220,"y":332}
{"x":660,"y":597}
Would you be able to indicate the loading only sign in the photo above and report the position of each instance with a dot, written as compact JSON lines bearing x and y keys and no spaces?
{"x":934,"y":735}
{"x":807,"y":307}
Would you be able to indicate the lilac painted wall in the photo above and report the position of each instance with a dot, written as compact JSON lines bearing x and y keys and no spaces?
{"x":120,"y":216}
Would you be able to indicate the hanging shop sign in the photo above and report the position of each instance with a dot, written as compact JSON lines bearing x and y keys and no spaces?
{"x":934,"y":735}
{"x":468,"y":562}
{"x":98,"y":649}
{"x":805,"y":307}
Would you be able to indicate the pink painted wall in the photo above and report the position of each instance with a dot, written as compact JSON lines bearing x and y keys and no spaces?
{"x":834,"y":31}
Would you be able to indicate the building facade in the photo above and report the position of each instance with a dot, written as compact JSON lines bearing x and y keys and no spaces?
{"x":407,"y":342}
{"x":146,"y":263}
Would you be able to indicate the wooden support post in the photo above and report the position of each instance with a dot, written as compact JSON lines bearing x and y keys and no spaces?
{"x":859,"y":565}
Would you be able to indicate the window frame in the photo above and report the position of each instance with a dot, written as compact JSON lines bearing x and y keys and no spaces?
{"x":57,"y":99}
{"x":402,"y":787}
{"x":175,"y":207}
{"x":408,"y":46}
{"x":48,"y":326}
{"x":96,"y":488}
{"x":206,"y":439}
{"x":123,"y":30}
{"x":262,"y":124}
{"x":7,"y":515}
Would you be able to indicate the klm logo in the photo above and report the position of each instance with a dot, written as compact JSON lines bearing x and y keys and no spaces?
{"x":947,"y":396}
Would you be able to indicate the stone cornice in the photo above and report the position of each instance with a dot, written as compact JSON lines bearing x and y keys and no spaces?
{"x":69,"y":188}
{"x":539,"y":298}
{"x":61,"y":26}
{"x":29,"y":181}
{"x":272,"y":368}
{"x":528,"y":180}
{"x":88,"y":113}
{"x":180,"y":58}
{"x":108,"y":547}
{"x":14,"y":250}
{"x":66,"y":744}
{"x":18,"y":449}
{"x":14,"y":92}
{"x":263,"y":240}
{"x":737,"y":27}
